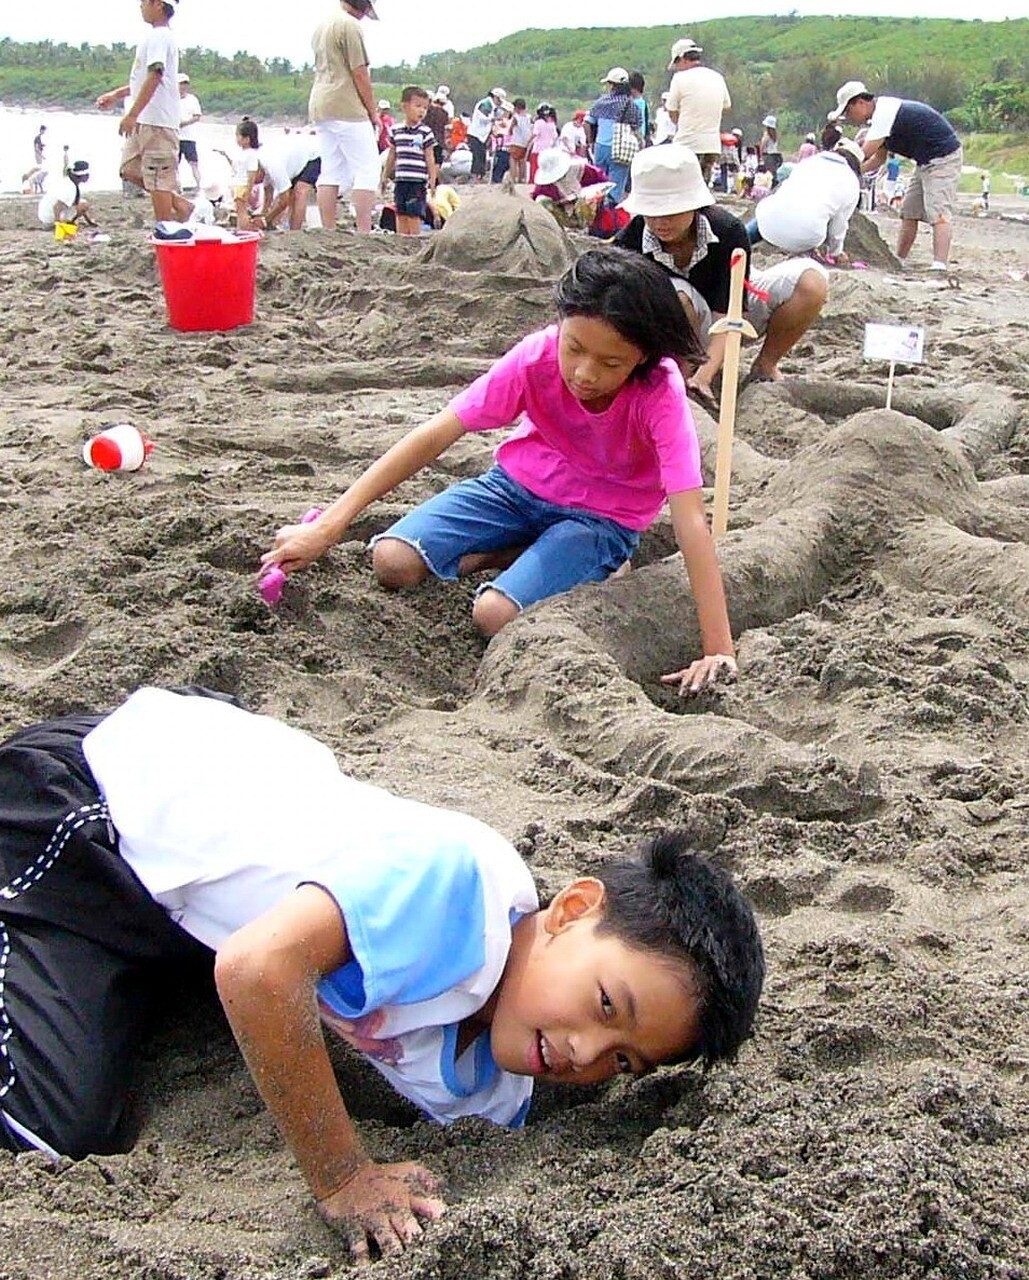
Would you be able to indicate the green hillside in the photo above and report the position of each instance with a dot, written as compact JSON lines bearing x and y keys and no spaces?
{"x":977,"y":72}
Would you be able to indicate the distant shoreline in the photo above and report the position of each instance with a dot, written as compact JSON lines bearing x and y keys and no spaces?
{"x":209,"y":117}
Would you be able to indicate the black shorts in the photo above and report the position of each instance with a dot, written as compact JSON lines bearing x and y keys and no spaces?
{"x":85,"y":944}
{"x":309,"y":173}
{"x":409,"y":199}
{"x":188,"y":150}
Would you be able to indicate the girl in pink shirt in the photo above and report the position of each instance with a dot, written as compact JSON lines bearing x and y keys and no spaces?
{"x":603,"y":438}
{"x":544,"y":136}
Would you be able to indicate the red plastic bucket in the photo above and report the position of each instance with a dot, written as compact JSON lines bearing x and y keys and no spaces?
{"x":209,"y":284}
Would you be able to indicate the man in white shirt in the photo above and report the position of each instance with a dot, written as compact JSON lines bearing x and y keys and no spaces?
{"x":291,"y":167}
{"x":189,"y":118}
{"x":697,"y":97}
{"x":150,"y":126}
{"x":815,"y":205}
{"x":485,"y":114}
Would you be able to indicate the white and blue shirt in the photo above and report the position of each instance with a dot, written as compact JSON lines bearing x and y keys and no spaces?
{"x":222,"y":813}
{"x":409,"y":141}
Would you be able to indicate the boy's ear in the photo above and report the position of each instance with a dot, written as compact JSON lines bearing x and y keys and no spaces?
{"x":579,"y":900}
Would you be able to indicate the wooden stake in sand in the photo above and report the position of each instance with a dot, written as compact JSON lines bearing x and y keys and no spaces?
{"x":734,"y":327}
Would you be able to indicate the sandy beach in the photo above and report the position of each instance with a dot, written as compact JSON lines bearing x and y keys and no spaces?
{"x":867,"y":780}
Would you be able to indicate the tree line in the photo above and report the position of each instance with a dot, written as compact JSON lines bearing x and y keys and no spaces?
{"x":975,"y":72}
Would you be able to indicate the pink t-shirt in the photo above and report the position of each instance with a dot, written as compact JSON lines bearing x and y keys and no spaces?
{"x":544,"y":135}
{"x":620,"y":463}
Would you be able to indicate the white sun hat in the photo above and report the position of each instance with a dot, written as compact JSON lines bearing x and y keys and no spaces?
{"x":851,"y":148}
{"x":617,"y":75}
{"x":770,"y":122}
{"x":846,"y":94}
{"x":554,"y":163}
{"x":681,"y":48}
{"x":666,"y":180}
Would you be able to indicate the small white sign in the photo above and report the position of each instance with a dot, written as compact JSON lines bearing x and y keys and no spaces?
{"x":897,"y":343}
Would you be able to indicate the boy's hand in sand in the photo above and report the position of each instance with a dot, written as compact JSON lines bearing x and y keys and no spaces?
{"x":382,"y":1203}
{"x":704,"y":672}
{"x":295,"y":547}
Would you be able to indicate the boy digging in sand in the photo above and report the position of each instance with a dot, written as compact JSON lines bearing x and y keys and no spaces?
{"x":130,"y":841}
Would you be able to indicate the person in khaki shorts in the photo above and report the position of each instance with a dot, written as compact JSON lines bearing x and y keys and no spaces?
{"x":150,"y":126}
{"x":922,"y":134}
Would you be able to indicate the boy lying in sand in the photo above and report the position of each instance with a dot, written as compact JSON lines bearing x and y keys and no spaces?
{"x":180,"y":821}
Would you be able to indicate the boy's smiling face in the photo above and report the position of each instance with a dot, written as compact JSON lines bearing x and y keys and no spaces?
{"x":578,"y":1007}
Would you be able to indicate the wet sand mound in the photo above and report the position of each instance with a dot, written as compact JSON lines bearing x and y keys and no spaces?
{"x":505,"y":233}
{"x":866,"y":779}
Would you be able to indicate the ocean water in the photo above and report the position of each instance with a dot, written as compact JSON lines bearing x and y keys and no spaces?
{"x":93,"y":136}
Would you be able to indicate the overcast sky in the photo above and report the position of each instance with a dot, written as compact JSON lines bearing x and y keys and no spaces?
{"x":407,"y":30}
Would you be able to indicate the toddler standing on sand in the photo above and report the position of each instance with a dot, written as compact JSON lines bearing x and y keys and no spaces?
{"x":411,"y":162}
{"x":137,"y":841}
{"x":604,"y":436}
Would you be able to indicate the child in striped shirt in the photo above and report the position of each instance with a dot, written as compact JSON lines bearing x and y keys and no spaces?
{"x":411,"y":162}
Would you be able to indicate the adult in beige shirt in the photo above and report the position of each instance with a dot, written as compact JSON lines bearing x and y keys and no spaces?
{"x":697,"y":97}
{"x":342,"y":108}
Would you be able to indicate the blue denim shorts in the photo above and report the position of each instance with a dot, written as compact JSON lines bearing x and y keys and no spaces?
{"x":563,"y":545}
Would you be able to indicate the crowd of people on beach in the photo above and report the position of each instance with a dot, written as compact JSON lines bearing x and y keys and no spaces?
{"x":146,"y":835}
{"x":400,"y":166}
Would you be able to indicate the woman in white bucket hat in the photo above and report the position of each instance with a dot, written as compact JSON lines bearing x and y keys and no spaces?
{"x":678,"y":225}
{"x":570,"y":188}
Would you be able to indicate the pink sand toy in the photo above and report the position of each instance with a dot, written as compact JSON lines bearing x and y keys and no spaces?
{"x":274,"y":579}
{"x":117,"y":448}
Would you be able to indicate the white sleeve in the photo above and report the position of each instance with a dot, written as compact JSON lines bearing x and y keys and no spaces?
{"x":883,"y":118}
{"x":155,"y":50}
{"x":836,"y":232}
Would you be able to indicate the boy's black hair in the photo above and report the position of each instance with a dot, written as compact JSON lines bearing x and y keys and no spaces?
{"x":518,"y":102}
{"x":411,"y":91}
{"x":637,"y":298}
{"x":636,"y":81}
{"x":169,"y":10}
{"x":247,"y":128}
{"x":669,"y":901}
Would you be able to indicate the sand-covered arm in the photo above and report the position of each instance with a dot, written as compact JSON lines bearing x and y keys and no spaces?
{"x":298,"y":545}
{"x":267,"y":974}
{"x":698,"y":551}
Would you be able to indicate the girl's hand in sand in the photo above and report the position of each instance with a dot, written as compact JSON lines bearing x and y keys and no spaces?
{"x":295,"y":547}
{"x":382,"y":1203}
{"x":704,"y":672}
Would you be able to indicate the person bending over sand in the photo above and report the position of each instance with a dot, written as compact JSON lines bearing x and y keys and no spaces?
{"x":138,"y":840}
{"x":604,"y":436}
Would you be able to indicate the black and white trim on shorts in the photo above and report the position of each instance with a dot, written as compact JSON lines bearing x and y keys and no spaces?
{"x":33,"y":873}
